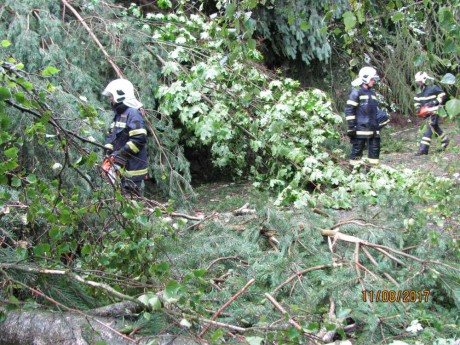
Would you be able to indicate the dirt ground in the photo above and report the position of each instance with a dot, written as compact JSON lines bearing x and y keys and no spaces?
{"x":442,"y":163}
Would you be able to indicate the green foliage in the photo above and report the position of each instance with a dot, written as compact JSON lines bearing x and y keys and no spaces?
{"x":54,"y":201}
{"x":296,"y":30}
{"x":244,"y":252}
{"x":204,"y":76}
{"x":401,"y":39}
{"x":255,"y":124}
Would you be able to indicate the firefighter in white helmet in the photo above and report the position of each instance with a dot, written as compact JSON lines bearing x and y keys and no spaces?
{"x":126,"y":138}
{"x":364,"y":119}
{"x":427,"y":103}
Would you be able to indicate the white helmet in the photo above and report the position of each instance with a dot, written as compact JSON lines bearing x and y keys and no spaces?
{"x":122,"y":90}
{"x":365,"y":76}
{"x":422,"y":77}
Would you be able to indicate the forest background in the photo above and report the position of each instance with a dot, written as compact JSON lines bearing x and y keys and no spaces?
{"x":290,"y":247}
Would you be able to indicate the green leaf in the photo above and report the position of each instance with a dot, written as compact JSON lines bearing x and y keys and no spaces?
{"x":449,"y":46}
{"x":21,"y":98}
{"x":448,"y":79}
{"x":31,"y":178}
{"x":313,"y":326}
{"x":11,"y":152}
{"x":252,"y":44}
{"x":42,"y":249}
{"x":151,"y":300}
{"x":251,"y":4}
{"x":349,"y":20}
{"x":292,"y":333}
{"x":419,"y":59}
{"x":4,"y":93}
{"x":254,"y":340}
{"x":50,"y":70}
{"x":199,"y":273}
{"x":397,"y":17}
{"x":304,"y":26}
{"x":15,"y":181}
{"x":230,"y":10}
{"x":12,"y":303}
{"x":453,"y":107}
{"x":171,"y":292}
{"x":86,"y":249}
{"x":446,"y":18}
{"x":5,"y":43}
{"x":354,"y":62}
{"x":329,"y":327}
{"x":217,"y":334}
{"x":155,"y":303}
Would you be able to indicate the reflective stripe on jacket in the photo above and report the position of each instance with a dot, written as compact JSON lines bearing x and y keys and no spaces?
{"x":127,"y":132}
{"x":428,"y":94}
{"x":361,"y":113}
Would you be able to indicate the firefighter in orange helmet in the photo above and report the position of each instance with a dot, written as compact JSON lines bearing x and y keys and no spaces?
{"x":427,"y":103}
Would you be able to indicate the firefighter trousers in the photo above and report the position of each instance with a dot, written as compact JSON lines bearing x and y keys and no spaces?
{"x":357,"y":148}
{"x":432,"y":127}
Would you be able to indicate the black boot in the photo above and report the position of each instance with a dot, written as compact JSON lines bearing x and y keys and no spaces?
{"x":421,"y":152}
{"x":444,"y":144}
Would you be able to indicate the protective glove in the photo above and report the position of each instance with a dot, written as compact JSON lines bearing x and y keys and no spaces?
{"x":119,"y":157}
{"x":351,"y":133}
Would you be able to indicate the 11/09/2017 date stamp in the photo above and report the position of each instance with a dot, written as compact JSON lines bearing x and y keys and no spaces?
{"x":392,"y":296}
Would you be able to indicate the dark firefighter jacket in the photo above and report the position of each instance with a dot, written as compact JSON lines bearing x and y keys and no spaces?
{"x":127,"y":134}
{"x":429,"y":95}
{"x":363,"y":114}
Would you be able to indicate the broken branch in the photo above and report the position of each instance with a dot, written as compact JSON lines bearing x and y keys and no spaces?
{"x":230,"y":301}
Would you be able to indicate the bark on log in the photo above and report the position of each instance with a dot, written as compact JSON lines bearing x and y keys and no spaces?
{"x":44,"y":328}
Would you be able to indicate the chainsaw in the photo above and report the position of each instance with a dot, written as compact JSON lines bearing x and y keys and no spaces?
{"x":111,"y":170}
{"x":427,"y":110}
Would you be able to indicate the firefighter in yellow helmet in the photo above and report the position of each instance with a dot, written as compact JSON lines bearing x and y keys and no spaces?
{"x":427,"y":103}
{"x":364,"y":118}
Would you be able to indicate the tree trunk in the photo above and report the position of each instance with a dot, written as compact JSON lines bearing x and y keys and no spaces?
{"x":44,"y":328}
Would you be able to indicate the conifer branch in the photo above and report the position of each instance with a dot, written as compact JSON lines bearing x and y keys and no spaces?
{"x":282,"y":310}
{"x":230,"y":301}
{"x":53,"y":123}
{"x":374,"y":262}
{"x":71,"y":275}
{"x":236,"y":257}
{"x":93,"y":36}
{"x":120,"y":75}
{"x":301,"y":273}
{"x":336,"y":235}
{"x":163,"y":150}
